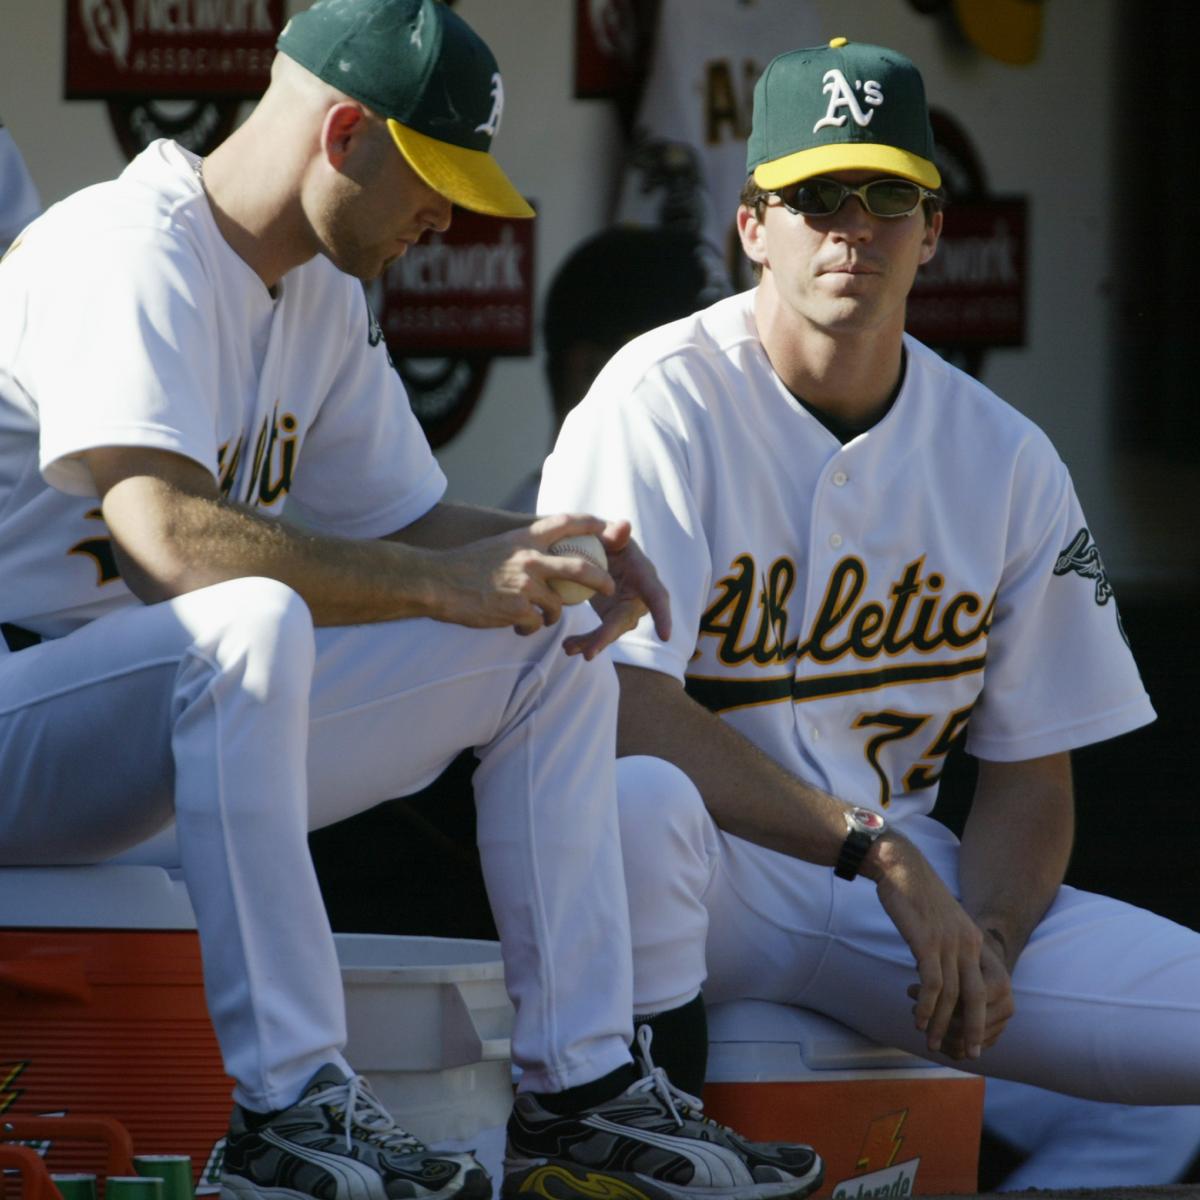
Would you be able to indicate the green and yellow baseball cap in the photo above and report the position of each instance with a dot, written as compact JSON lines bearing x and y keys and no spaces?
{"x":842,"y":107}
{"x":425,"y":70}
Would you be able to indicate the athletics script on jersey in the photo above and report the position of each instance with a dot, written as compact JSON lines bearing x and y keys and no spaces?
{"x":749,"y":621}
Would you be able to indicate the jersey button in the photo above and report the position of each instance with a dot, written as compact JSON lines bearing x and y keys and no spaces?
{"x":840,"y":478}
{"x":835,"y":540}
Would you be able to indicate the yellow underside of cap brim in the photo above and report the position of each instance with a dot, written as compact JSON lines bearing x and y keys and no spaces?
{"x":1008,"y":30}
{"x":471,"y":178}
{"x":846,"y":156}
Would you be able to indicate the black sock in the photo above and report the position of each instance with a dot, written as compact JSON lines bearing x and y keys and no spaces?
{"x":680,"y":1044}
{"x":256,"y":1120}
{"x":588,"y":1095}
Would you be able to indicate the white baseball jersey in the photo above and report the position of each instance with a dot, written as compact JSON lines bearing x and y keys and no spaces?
{"x":850,"y":608}
{"x":188,"y":352}
{"x":19,"y":201}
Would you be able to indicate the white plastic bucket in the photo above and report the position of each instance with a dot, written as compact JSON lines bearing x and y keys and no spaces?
{"x":428,"y":1022}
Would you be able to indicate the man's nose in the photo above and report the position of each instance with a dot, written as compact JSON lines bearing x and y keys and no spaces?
{"x":853,"y":221}
{"x":440,"y":211}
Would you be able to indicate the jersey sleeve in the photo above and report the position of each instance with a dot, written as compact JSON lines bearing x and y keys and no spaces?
{"x":121,"y":356}
{"x":620,"y":455}
{"x":366,"y":469}
{"x":1060,"y":673}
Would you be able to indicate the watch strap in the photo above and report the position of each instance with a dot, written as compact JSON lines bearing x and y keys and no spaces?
{"x":854,"y":850}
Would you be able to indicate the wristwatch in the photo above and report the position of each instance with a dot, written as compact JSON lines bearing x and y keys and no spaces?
{"x":865,"y":827}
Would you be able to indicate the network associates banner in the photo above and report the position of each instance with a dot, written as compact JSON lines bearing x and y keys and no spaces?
{"x":217,"y":49}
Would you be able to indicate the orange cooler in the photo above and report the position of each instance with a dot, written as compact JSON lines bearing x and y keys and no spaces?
{"x":887,"y":1124}
{"x":102,"y":1011}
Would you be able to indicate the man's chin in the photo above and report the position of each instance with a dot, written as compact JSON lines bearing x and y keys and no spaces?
{"x":363,"y":269}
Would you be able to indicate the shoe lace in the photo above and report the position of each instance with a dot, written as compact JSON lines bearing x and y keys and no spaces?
{"x":654,"y":1079}
{"x":354,"y":1104}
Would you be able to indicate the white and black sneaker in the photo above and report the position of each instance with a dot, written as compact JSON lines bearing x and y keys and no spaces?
{"x":337,"y":1142}
{"x":651,"y":1141}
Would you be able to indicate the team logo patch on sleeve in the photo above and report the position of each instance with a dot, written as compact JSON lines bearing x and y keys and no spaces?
{"x":1082,"y":557}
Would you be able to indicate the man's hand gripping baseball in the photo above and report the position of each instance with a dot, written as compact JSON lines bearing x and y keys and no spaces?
{"x":505,"y":580}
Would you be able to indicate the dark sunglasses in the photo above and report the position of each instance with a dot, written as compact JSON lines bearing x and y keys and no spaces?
{"x":821,"y":197}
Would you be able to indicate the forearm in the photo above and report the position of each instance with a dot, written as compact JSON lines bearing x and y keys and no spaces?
{"x":746,"y":791}
{"x":187,"y":542}
{"x":1016,"y":846}
{"x":173,"y":534}
{"x":749,"y":794}
{"x":447,"y":525}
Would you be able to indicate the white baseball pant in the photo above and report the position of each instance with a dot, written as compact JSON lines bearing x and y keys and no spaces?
{"x":225,"y":711}
{"x":1074,"y":1143}
{"x":1107,"y":995}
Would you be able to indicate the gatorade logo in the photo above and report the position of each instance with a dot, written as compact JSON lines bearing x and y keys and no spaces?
{"x":898,"y":1180}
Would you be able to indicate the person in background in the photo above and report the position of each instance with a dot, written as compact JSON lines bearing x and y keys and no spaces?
{"x":611,"y":287}
{"x":19,"y":200}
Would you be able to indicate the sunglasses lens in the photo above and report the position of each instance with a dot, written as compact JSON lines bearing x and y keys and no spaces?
{"x":892,"y":197}
{"x":813,"y":197}
{"x":820,"y":197}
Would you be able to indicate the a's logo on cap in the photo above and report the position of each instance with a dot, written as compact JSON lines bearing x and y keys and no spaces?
{"x":842,"y":95}
{"x":414,"y":38}
{"x":493,"y":122}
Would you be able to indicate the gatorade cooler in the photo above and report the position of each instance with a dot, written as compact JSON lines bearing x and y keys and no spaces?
{"x":102,"y":1010}
{"x":887,"y":1124}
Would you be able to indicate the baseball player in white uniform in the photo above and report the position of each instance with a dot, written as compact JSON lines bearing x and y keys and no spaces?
{"x":173,"y":651}
{"x":868,"y":553}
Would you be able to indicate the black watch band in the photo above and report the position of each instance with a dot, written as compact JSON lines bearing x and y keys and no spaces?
{"x":864,"y":828}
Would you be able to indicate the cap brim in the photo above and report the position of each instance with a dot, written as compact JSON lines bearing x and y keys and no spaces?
{"x":846,"y":156}
{"x":1008,"y":30}
{"x":471,"y":178}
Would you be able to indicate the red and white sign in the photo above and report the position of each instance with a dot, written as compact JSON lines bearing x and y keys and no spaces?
{"x":972,"y":292}
{"x":466,"y":291}
{"x":607,"y":43}
{"x":170,"y":48}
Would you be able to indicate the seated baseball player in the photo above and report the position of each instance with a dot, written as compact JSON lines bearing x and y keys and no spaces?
{"x":175,"y":653}
{"x":868,"y":553}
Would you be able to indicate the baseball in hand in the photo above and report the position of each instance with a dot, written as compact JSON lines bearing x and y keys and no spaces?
{"x":586,"y":546}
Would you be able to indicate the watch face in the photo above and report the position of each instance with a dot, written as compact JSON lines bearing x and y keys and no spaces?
{"x":868,"y":821}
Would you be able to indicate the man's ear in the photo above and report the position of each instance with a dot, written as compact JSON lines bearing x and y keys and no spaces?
{"x":345,"y":123}
{"x":933,"y":231}
{"x":753,"y":234}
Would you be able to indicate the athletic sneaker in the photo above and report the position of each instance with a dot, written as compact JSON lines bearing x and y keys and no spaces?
{"x":337,"y":1142}
{"x":652,"y":1141}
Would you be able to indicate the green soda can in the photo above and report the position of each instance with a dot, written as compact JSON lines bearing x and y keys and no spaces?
{"x":76,"y":1186}
{"x":175,"y":1171}
{"x":133,"y":1187}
